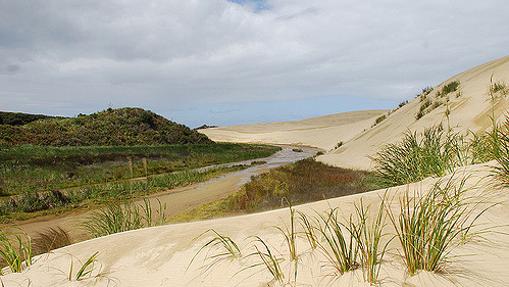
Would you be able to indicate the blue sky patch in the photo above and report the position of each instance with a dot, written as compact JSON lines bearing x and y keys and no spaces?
{"x":257,"y":5}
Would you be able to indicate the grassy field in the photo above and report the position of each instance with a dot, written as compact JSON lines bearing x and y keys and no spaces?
{"x":304,"y":181}
{"x":35,"y":179}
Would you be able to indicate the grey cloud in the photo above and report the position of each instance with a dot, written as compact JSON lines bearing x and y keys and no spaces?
{"x":174,"y":53}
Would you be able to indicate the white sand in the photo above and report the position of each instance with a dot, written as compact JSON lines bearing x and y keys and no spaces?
{"x":159,"y":256}
{"x":322,"y":132}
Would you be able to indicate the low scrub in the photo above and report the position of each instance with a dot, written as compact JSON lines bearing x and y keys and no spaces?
{"x":449,"y":88}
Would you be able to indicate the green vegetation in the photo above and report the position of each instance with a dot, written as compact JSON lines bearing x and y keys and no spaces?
{"x":33,"y":204}
{"x":433,"y":153}
{"x":117,"y":218}
{"x":86,"y":270}
{"x":268,"y":259}
{"x":220,"y":248}
{"x":337,"y":244}
{"x":430,"y":226}
{"x":111,"y":127}
{"x":499,"y":144}
{"x":28,"y":169}
{"x":15,"y":251}
{"x":379,"y":120}
{"x":19,"y":119}
{"x":449,"y":88}
{"x":304,"y":181}
{"x":50,"y":239}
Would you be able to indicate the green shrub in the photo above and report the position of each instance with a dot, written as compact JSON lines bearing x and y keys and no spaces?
{"x":449,"y":88}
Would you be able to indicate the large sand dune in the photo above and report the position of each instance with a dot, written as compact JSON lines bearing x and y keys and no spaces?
{"x":322,"y":132}
{"x":470,"y":111}
{"x":161,"y":256}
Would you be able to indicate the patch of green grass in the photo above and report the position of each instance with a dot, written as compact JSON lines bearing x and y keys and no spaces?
{"x":30,"y":205}
{"x":38,"y":169}
{"x":430,"y":226}
{"x":15,"y":251}
{"x":448,"y":88}
{"x":434,"y":153}
{"x":86,"y":269}
{"x":117,"y":218}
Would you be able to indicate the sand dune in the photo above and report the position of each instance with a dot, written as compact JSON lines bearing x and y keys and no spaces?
{"x":322,"y":132}
{"x":161,"y":256}
{"x":469,"y":111}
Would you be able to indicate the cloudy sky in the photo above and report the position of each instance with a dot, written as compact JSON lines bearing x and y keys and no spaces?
{"x":224,"y":62}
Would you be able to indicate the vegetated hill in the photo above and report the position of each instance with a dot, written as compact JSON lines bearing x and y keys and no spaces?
{"x":465,"y":102}
{"x":125,"y":126}
{"x":324,"y":132}
{"x":19,"y":119}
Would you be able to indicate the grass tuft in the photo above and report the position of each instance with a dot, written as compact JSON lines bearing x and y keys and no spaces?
{"x":431,"y":225}
{"x":50,"y":239}
{"x":129,"y":216}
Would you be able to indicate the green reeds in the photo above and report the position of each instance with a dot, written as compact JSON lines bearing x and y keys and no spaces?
{"x":269,"y":261}
{"x":431,"y":225}
{"x":433,"y":153}
{"x":221,"y":248}
{"x":86,"y":269}
{"x":16,"y":251}
{"x":129,"y":216}
{"x":369,"y":232}
{"x":338,"y":245}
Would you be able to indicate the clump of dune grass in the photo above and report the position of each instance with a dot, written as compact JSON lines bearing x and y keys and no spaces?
{"x":86,"y":269}
{"x":368,"y":231}
{"x":123,"y":217}
{"x":16,"y":251}
{"x":337,"y":244}
{"x":500,"y":143}
{"x":433,"y":153}
{"x":50,"y":239}
{"x":220,"y":248}
{"x":268,"y":260}
{"x":290,"y":235}
{"x":308,"y":225}
{"x":430,"y":226}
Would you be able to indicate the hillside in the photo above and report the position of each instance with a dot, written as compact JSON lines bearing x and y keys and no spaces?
{"x":19,"y":119}
{"x":469,"y":104}
{"x":323,"y":132}
{"x":125,"y":126}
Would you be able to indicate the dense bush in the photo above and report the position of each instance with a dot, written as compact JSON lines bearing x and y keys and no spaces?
{"x":19,"y":119}
{"x":126,"y":126}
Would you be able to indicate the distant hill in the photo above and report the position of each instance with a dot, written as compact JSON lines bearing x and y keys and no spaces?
{"x":19,"y":119}
{"x":125,"y":126}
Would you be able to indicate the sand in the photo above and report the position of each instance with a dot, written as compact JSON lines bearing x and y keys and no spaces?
{"x":160,"y":256}
{"x":323,"y":132}
{"x":470,"y":111}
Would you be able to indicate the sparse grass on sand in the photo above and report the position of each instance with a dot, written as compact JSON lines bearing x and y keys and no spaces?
{"x":123,"y":217}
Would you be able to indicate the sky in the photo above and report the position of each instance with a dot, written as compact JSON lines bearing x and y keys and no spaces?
{"x":221,"y":62}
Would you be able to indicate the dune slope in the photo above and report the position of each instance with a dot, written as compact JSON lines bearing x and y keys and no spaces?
{"x":322,"y":132}
{"x":470,"y":110}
